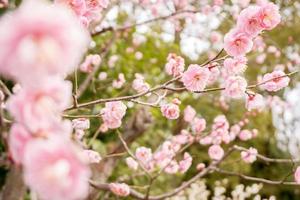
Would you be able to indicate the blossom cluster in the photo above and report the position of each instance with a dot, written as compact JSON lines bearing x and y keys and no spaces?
{"x":40,"y":44}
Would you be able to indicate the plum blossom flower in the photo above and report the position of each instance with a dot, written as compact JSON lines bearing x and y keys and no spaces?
{"x":143,"y":154}
{"x":41,"y":40}
{"x":92,"y":156}
{"x":216,"y":152}
{"x":245,"y":135}
{"x":236,"y":65}
{"x":297,"y":175}
{"x":249,"y":156}
{"x":119,"y":189}
{"x":38,"y":108}
{"x":56,"y":169}
{"x":139,"y":84}
{"x":235,"y":87}
{"x":269,"y":16}
{"x":119,"y":82}
{"x":89,"y":62}
{"x":18,"y":140}
{"x":175,"y":65}
{"x":255,"y":101}
{"x":275,"y":81}
{"x":198,"y":125}
{"x":186,"y":163}
{"x":131,"y":163}
{"x":195,"y":78}
{"x":113,"y":113}
{"x":172,"y":167}
{"x":81,"y":123}
{"x":170,"y":110}
{"x":237,"y":43}
{"x":249,"y":21}
{"x":189,"y":113}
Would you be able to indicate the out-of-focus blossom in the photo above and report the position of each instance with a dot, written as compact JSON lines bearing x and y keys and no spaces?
{"x":249,"y":156}
{"x":131,"y":163}
{"x":275,"y":81}
{"x":92,"y":156}
{"x":40,"y":107}
{"x":102,"y":76}
{"x":235,"y":87}
{"x":269,"y":16}
{"x":172,"y":167}
{"x":56,"y":169}
{"x":255,"y":101}
{"x":237,"y":43}
{"x":195,"y":78}
{"x":41,"y":40}
{"x":249,"y":21}
{"x":198,"y":125}
{"x":119,"y":189}
{"x":216,"y":152}
{"x":143,"y":154}
{"x":174,"y":65}
{"x":139,"y":84}
{"x":245,"y":135}
{"x":236,"y":65}
{"x":118,"y":83}
{"x":113,"y":113}
{"x":170,"y":110}
{"x":18,"y":140}
{"x":189,"y":113}
{"x":81,"y":123}
{"x":185,"y":163}
{"x":89,"y":62}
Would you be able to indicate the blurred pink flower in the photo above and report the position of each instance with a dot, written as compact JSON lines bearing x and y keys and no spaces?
{"x":56,"y":169}
{"x":235,"y":87}
{"x":186,"y":163}
{"x":236,"y":65}
{"x":113,"y":113}
{"x":92,"y":156}
{"x":245,"y":135}
{"x":237,"y":43}
{"x":81,"y":123}
{"x":38,"y":40}
{"x":255,"y":101}
{"x":198,"y":125}
{"x":131,"y":163}
{"x":249,"y":21}
{"x":195,"y":78}
{"x":175,"y":65}
{"x":216,"y":152}
{"x":139,"y":84}
{"x":275,"y":81}
{"x":170,"y":110}
{"x":249,"y":156}
{"x":269,"y":16}
{"x":143,"y":154}
{"x":189,"y":113}
{"x":119,"y":189}
{"x":17,"y":140}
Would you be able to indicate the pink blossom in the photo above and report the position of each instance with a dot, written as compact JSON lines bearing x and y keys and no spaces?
{"x":245,"y":135}
{"x":255,"y":101}
{"x":56,"y":169}
{"x":269,"y":16}
{"x":39,"y":108}
{"x":189,"y":114}
{"x":275,"y":81}
{"x":216,"y":152}
{"x":131,"y":163}
{"x":175,"y":65}
{"x":81,"y":123}
{"x":78,"y":6}
{"x":249,"y":156}
{"x":200,"y":166}
{"x":172,"y":167}
{"x":235,"y":65}
{"x":118,"y":83}
{"x":297,"y":175}
{"x":215,"y":37}
{"x":79,"y":134}
{"x":18,"y":139}
{"x":113,"y":113}
{"x":249,"y":21}
{"x":139,"y":84}
{"x":170,"y":110}
{"x":186,"y":163}
{"x":237,"y":43}
{"x":206,"y":140}
{"x":198,"y":125}
{"x":92,"y":156}
{"x":89,"y":62}
{"x":119,"y":189}
{"x":235,"y":87}
{"x":143,"y":154}
{"x":102,"y":76}
{"x":40,"y":39}
{"x":220,"y":122}
{"x":195,"y":78}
